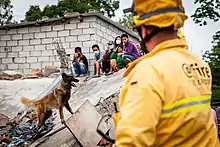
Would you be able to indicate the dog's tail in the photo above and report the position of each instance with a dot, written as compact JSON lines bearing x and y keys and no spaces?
{"x":28,"y":102}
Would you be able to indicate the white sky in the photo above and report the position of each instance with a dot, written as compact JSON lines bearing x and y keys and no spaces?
{"x":199,"y":38}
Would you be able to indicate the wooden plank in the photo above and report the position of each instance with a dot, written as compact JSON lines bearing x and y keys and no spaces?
{"x":83,"y":124}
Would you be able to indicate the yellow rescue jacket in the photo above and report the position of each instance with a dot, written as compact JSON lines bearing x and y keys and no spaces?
{"x":165,"y":100}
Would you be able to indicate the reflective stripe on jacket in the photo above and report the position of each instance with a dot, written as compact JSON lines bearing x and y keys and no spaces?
{"x":165,"y":100}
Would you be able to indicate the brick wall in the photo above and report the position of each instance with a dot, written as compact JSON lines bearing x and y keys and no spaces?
{"x":31,"y":47}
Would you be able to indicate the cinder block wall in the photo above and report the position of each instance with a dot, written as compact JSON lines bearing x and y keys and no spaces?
{"x":31,"y":47}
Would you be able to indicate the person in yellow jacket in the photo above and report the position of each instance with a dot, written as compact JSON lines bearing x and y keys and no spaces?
{"x":165,"y":99}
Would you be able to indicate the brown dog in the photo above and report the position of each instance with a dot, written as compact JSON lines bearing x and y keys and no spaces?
{"x":58,"y":98}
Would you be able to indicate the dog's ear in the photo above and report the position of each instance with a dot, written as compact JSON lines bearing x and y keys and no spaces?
{"x":75,"y":80}
{"x":64,"y":76}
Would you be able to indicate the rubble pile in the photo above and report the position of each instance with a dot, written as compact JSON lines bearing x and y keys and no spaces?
{"x":46,"y":71}
{"x":22,"y":130}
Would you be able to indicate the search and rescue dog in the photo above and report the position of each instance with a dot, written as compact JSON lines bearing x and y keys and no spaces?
{"x":57,"y":99}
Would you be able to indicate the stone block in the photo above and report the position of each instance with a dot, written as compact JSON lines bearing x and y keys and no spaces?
{"x":50,"y":46}
{"x":34,"y":29}
{"x":83,"y":37}
{"x":35,"y":65}
{"x":47,"y":53}
{"x":22,"y":66}
{"x":109,"y":32}
{"x":28,"y":48}
{"x":58,"y":27}
{"x":70,"y":26}
{"x":12,"y":31}
{"x":23,"y":30}
{"x":62,"y":39}
{"x":51,"y":34}
{"x":103,"y":29}
{"x":24,"y":54}
{"x":12,"y":43}
{"x":86,"y":49}
{"x":69,"y":51}
{"x":98,"y":26}
{"x":89,"y":31}
{"x":40,"y":47}
{"x":76,"y":32}
{"x":83,"y":25}
{"x":57,"y":64}
{"x":88,"y":43}
{"x":35,"y":41}
{"x":2,"y":32}
{"x":28,"y":36}
{"x":27,"y":71}
{"x":100,"y":33}
{"x":13,"y":54}
{"x":114,"y":34}
{"x":75,"y":44}
{"x":52,"y":58}
{"x":47,"y":41}
{"x":46,"y":28}
{"x":2,"y":66}
{"x":71,"y":38}
{"x":16,"y":37}
{"x":63,"y":33}
{"x":12,"y":66}
{"x":3,"y":43}
{"x":3,"y":55}
{"x":92,"y":24}
{"x":20,"y":60}
{"x":90,"y":19}
{"x":24,"y":42}
{"x":106,"y":35}
{"x":55,"y":52}
{"x":98,"y":38}
{"x":47,"y":64}
{"x":40,"y":59}
{"x":74,"y":20}
{"x":31,"y":59}
{"x":66,"y":45}
{"x":5,"y":37}
{"x":39,"y":35}
{"x":36,"y":53}
{"x":6,"y":60}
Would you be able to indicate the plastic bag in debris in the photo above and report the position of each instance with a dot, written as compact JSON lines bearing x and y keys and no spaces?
{"x":29,"y":130}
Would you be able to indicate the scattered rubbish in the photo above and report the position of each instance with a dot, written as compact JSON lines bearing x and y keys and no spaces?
{"x":23,"y":129}
{"x":6,"y":76}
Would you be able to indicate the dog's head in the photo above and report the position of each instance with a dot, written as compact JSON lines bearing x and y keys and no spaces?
{"x":69,"y":79}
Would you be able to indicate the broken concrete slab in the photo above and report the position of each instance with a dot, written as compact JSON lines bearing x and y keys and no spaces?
{"x":83,"y":124}
{"x":4,"y":120}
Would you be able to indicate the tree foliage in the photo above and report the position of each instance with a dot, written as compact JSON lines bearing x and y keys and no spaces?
{"x":34,"y":13}
{"x":5,"y":12}
{"x":106,"y":7}
{"x":126,"y":21}
{"x":209,"y":10}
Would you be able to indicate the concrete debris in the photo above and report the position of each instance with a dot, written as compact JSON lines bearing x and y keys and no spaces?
{"x":48,"y":70}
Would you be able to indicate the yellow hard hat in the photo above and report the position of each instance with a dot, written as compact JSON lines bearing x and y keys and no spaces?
{"x":160,"y":13}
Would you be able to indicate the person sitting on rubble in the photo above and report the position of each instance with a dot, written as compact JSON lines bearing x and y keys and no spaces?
{"x":138,"y":46}
{"x":80,"y":62}
{"x":113,"y":54}
{"x":130,"y":51}
{"x":97,"y":56}
{"x":119,"y":58}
